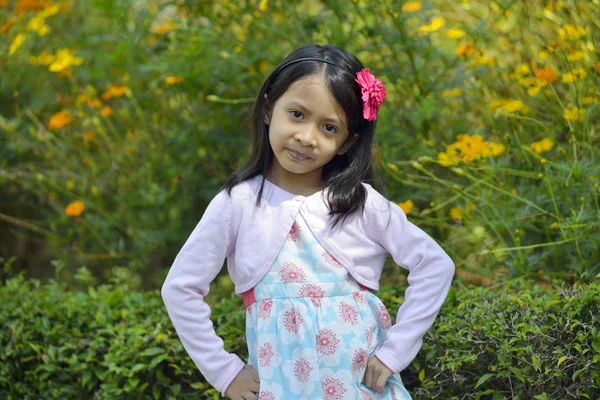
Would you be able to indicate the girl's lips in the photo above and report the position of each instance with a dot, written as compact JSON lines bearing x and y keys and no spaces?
{"x":298,"y":156}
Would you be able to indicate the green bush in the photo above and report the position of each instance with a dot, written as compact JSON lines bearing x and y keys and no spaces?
{"x":113,"y":343}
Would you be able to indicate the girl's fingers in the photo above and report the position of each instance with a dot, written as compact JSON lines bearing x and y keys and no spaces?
{"x":254,"y":386}
{"x":380,"y":382}
{"x":250,"y":396}
{"x":369,"y":378}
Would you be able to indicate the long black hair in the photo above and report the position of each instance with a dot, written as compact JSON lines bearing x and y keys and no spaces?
{"x":344,"y":173}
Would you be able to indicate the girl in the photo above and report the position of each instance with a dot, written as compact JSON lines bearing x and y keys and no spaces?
{"x":305,"y":236}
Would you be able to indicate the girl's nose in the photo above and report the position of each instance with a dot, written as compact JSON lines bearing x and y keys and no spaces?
{"x":308,"y":136}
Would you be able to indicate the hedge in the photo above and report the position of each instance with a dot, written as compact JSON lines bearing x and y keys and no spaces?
{"x":519,"y":341}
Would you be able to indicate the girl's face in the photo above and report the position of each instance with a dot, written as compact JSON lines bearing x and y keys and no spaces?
{"x":307,"y":128}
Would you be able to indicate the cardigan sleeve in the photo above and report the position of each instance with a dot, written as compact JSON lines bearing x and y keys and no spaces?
{"x":430,"y":275}
{"x":187,"y":284}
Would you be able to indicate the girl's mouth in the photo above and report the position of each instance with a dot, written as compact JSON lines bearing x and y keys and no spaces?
{"x":298,"y":156}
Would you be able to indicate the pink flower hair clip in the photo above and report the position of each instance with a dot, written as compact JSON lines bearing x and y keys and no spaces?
{"x":373,"y":93}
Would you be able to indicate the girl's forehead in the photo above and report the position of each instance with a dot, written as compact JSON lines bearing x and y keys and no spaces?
{"x":314,"y":94}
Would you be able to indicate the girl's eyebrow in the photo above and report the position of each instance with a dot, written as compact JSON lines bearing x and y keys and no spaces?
{"x":306,"y":110}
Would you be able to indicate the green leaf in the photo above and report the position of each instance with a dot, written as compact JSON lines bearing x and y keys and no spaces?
{"x":560,"y":360}
{"x":596,"y":345}
{"x":483,"y":379}
{"x":152,"y":351}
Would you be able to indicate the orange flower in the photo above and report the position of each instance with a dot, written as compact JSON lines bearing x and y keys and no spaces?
{"x":94,"y":103}
{"x":164,"y":28}
{"x":6,"y":27}
{"x":88,"y":136}
{"x":466,"y":50}
{"x":106,"y":111}
{"x":75,"y":209}
{"x":114,"y":91}
{"x":546,"y":74}
{"x":59,"y":120}
{"x":597,"y":67}
{"x":172,"y":80}
{"x":31,"y":5}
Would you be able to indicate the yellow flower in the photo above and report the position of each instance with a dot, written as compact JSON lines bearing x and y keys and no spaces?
{"x":407,"y":206}
{"x":576,"y":55}
{"x":574,"y":75}
{"x":75,"y":209}
{"x":64,"y":59}
{"x":49,"y":11}
{"x":88,"y":136}
{"x":455,"y":33}
{"x":447,"y":160}
{"x":470,"y":206}
{"x":546,"y":74}
{"x":542,"y":146}
{"x":573,"y":113}
{"x":42,"y":59}
{"x":434,"y":25}
{"x":38,"y":24}
{"x":586,"y":101}
{"x":493,"y":149}
{"x":456,"y":213}
{"x":106,"y":111}
{"x":172,"y":80}
{"x":59,"y":120}
{"x":543,"y":55}
{"x":264,"y":5}
{"x":16,"y":43}
{"x":509,"y":106}
{"x":164,"y":28}
{"x":114,"y":91}
{"x":70,"y":184}
{"x":534,"y":90}
{"x":262,"y":67}
{"x":483,"y":60}
{"x":411,"y":6}
{"x":573,"y":32}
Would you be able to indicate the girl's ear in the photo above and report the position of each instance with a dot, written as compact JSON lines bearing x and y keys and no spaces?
{"x":267,"y":110}
{"x":349,"y":142}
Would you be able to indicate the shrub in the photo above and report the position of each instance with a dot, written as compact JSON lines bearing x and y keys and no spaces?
{"x":113,"y":343}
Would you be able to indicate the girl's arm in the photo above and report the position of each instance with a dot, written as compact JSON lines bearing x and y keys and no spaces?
{"x":187,"y":283}
{"x":430,"y":275}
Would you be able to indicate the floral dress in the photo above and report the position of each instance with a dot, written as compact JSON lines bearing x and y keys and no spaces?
{"x":310,"y":327}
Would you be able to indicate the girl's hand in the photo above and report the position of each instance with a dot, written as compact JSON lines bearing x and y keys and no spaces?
{"x":245,"y":386}
{"x":376,"y":374}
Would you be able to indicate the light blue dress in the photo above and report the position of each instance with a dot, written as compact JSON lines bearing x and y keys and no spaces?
{"x":312,"y":329}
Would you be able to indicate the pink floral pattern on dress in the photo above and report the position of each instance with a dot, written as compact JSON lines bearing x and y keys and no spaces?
{"x":292,"y":320}
{"x":266,"y":396}
{"x":348,"y":313}
{"x":265,"y":353}
{"x":295,"y":232}
{"x":314,"y":292}
{"x":302,"y":370}
{"x":264,"y":309}
{"x":359,"y":297}
{"x":327,"y":342}
{"x":360,"y":359}
{"x":329,"y":259}
{"x":369,"y":334}
{"x":333,"y":389}
{"x":291,"y":273}
{"x":383,"y":318}
{"x":363,"y":396}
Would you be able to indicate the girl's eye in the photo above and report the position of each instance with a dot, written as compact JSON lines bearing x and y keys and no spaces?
{"x":296,"y":114}
{"x":330,"y":128}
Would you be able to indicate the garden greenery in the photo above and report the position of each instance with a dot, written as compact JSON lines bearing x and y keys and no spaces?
{"x":109,"y":342}
{"x":119,"y":120}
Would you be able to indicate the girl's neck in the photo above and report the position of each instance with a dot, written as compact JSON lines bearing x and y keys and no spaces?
{"x":298,"y":187}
